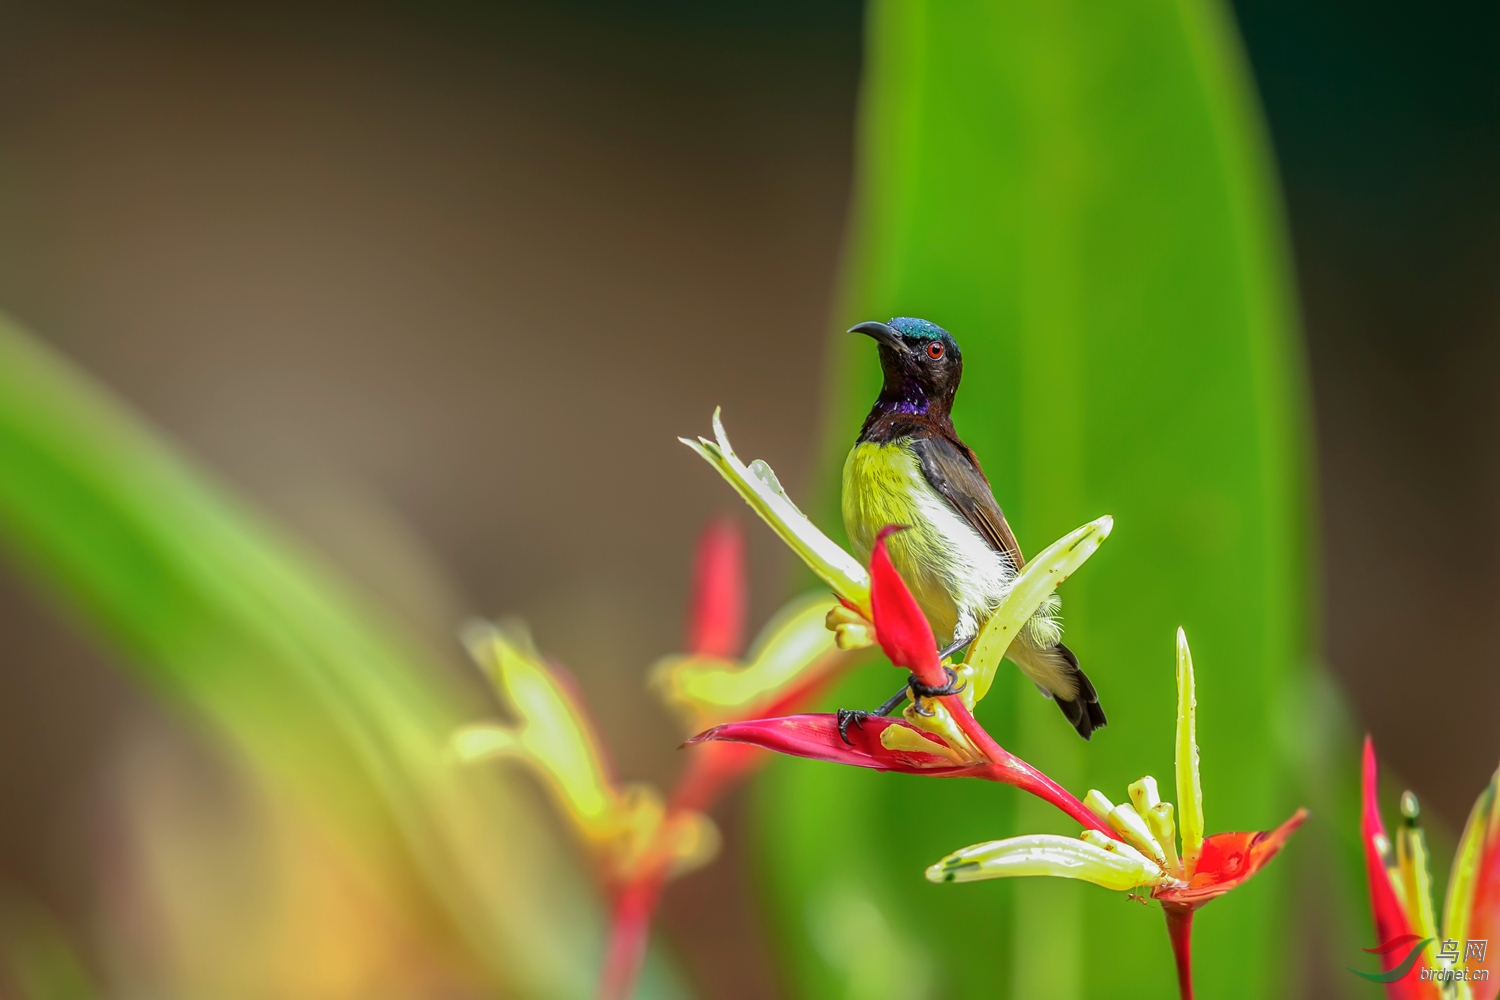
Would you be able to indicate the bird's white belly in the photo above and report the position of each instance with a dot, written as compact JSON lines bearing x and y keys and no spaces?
{"x":956,"y":577}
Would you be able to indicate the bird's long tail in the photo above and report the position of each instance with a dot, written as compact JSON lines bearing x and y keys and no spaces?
{"x":1055,"y":670}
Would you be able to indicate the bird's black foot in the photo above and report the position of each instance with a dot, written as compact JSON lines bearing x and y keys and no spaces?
{"x":849,"y":716}
{"x":954,"y":686}
{"x":857,"y":717}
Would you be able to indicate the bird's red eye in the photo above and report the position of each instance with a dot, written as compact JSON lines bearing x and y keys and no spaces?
{"x":934,"y":350}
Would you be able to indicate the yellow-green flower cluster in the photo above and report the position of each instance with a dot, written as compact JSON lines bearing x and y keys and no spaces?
{"x":1146,"y":858}
{"x":554,"y":737}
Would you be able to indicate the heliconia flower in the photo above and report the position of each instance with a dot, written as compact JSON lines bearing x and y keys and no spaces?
{"x":851,"y":629}
{"x":792,"y":658}
{"x":1149,"y":861}
{"x":626,"y":826}
{"x":936,"y":735}
{"x":762,"y":491}
{"x":1401,"y":898}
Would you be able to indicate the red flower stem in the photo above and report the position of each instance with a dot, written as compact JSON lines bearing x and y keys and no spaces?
{"x":1180,"y":930}
{"x":1006,"y":767}
{"x":630,"y":931}
{"x":710,"y":772}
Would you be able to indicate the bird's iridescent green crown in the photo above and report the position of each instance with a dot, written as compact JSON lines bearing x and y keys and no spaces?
{"x":912,"y":327}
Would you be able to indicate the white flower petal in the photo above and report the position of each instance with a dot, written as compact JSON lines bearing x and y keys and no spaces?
{"x":1189,"y":789}
{"x":1099,"y":804}
{"x":758,"y":485}
{"x":1478,"y":831}
{"x":1048,"y":854}
{"x":1128,"y":823}
{"x":1159,"y":819}
{"x":483,"y":741}
{"x":1144,"y":794}
{"x":1031,"y":588}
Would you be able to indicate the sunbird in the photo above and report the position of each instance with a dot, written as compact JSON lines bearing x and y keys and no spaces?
{"x":958,"y":554}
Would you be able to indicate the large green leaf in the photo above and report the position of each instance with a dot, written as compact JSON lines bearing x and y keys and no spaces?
{"x":1082,"y":194}
{"x":323,"y":695}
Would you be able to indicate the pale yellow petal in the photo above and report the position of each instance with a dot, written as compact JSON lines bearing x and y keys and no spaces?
{"x":1042,"y":575}
{"x":1048,"y":854}
{"x":1144,"y":794}
{"x":693,"y":841}
{"x":759,"y":487}
{"x":934,"y":718}
{"x":1189,"y":787}
{"x":483,"y":741}
{"x":905,"y":740}
{"x":708,"y":690}
{"x":1415,"y":869}
{"x":638,"y":819}
{"x":1159,"y":819}
{"x":1099,"y":804}
{"x":1465,"y":871}
{"x":1125,"y":821}
{"x":553,"y":733}
{"x":851,"y":630}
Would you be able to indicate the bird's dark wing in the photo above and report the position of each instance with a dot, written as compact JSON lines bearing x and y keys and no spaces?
{"x":953,"y":471}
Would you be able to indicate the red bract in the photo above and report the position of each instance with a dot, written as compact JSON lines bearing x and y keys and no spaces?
{"x":900,"y":627}
{"x":1228,"y":859}
{"x":1484,"y":919}
{"x":1399,"y":877}
{"x":816,"y":737}
{"x":716,"y":622}
{"x":798,"y":669}
{"x":1391,"y":919}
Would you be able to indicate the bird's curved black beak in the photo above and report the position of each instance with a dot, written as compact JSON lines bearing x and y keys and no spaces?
{"x":883,"y":333}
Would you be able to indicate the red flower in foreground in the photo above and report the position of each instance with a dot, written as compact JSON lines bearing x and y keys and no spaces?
{"x":1228,"y":860}
{"x":1149,"y":860}
{"x":937,"y":736}
{"x":1417,"y":957}
{"x":1129,"y":846}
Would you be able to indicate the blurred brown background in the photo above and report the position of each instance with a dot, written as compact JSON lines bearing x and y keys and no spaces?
{"x":440,"y":286}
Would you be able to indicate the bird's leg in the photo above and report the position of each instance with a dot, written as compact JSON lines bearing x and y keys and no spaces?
{"x":852,"y":715}
{"x":889,"y":705}
{"x":856,"y":717}
{"x":959,"y":642}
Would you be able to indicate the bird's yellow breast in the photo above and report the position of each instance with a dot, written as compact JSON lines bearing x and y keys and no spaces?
{"x":883,"y":484}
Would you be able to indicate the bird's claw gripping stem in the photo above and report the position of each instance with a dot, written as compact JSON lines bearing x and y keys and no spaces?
{"x":856,"y":717}
{"x":920,"y":690}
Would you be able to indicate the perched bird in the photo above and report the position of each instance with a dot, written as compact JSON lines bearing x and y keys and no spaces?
{"x":958,"y":555}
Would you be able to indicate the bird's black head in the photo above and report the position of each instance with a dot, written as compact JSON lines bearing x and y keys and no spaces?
{"x":922,"y":366}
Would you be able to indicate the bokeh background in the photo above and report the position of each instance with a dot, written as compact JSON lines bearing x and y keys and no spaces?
{"x":438,"y":286}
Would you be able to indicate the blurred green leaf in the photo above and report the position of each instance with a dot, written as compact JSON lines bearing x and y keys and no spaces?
{"x":1082,"y":194}
{"x":320,"y":691}
{"x":40,"y":962}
